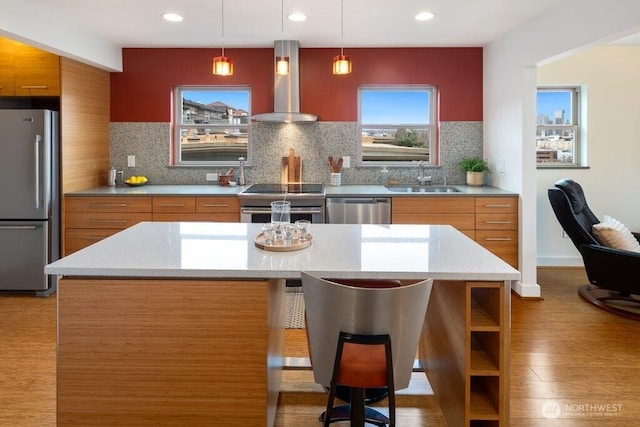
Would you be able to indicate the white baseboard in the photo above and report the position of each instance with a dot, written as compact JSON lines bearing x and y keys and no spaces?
{"x":526,"y":290}
{"x":559,"y":262}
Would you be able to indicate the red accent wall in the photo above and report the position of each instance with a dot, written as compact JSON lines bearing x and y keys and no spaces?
{"x":142,"y":92}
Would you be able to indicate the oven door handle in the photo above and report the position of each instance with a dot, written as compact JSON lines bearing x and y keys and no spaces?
{"x":294,"y":210}
{"x":253,"y":211}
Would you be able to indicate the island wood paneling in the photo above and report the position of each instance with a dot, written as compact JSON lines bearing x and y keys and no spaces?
{"x":464,"y":347}
{"x":442,"y":348}
{"x":562,"y":349}
{"x":167,"y":352}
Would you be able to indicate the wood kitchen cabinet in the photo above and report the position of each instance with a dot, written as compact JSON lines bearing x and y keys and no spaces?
{"x":497,"y":226}
{"x":91,"y":219}
{"x":28,"y":71}
{"x":7,"y":75}
{"x":456,"y":211}
{"x":490,"y":221}
{"x":198,"y":208}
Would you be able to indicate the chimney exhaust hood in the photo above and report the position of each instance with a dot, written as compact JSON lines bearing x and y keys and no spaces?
{"x":286,"y":94}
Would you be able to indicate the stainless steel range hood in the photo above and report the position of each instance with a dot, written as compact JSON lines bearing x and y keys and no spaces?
{"x":286,"y":95}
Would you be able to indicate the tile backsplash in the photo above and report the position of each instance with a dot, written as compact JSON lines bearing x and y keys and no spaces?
{"x":313,"y":142}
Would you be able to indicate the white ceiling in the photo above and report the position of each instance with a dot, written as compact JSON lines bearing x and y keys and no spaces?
{"x":257,"y":23}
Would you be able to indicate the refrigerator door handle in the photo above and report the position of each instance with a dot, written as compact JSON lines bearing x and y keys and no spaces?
{"x":37,"y":142}
{"x":17,"y":227}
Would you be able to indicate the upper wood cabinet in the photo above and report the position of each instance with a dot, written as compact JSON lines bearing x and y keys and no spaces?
{"x":28,"y":71}
{"x":7,"y":79}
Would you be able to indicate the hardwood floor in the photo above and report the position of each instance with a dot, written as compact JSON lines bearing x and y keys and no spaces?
{"x":568,"y":358}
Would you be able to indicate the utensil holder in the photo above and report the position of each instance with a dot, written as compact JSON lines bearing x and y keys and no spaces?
{"x":336,"y":179}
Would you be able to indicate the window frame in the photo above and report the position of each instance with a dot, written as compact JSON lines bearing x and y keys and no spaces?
{"x":432,"y":126}
{"x":178,"y":126}
{"x":576,"y":124}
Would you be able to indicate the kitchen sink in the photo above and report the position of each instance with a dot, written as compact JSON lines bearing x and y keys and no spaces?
{"x":422,"y":188}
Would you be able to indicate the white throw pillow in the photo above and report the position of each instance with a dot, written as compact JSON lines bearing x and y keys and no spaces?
{"x":614,"y":234}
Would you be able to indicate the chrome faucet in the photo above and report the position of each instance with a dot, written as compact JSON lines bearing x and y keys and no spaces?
{"x":422,"y":179}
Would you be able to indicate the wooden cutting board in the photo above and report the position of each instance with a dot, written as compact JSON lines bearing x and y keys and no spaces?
{"x":291,"y":168}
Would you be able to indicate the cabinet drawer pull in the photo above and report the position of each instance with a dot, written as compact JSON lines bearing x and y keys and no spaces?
{"x":34,"y":87}
{"x":498,"y":239}
{"x":497,"y":206}
{"x":207,"y":205}
{"x":107,"y":221}
{"x":108,"y":205}
{"x":172,"y":205}
{"x":497,"y":222}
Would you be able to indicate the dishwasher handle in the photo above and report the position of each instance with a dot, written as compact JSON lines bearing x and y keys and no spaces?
{"x":360,"y":200}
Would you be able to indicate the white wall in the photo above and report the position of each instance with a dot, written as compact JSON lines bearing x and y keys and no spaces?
{"x":509,"y":98}
{"x":611,"y":76}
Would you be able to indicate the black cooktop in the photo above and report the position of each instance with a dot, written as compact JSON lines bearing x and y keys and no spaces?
{"x":285,"y":188}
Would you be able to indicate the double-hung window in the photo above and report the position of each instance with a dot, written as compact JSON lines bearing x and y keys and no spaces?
{"x":397,"y":124}
{"x":558,"y":127}
{"x":211,"y":125}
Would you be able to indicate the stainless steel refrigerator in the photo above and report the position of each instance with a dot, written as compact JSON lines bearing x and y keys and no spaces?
{"x":29,"y":199}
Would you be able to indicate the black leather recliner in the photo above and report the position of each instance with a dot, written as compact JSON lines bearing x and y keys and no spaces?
{"x":614,"y":274}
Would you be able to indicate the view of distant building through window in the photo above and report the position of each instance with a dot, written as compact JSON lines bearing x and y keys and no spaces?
{"x":557,"y":135}
{"x":211,"y":125}
{"x":397,"y":124}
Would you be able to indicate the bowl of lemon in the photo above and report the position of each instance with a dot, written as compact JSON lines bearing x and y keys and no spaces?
{"x":136,"y":181}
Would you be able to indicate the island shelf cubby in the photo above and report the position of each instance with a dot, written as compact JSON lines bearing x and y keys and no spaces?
{"x":464,"y":349}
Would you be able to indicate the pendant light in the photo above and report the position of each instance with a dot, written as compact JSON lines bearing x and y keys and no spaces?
{"x":222,"y":66}
{"x":341,"y":63}
{"x":282,"y":61}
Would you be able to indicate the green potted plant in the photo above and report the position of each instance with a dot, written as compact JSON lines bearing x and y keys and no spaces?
{"x":475,"y":168}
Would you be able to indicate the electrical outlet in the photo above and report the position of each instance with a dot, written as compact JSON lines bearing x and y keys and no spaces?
{"x":501,"y":166}
{"x":212,"y":177}
{"x":346,"y":161}
{"x":131,"y":161}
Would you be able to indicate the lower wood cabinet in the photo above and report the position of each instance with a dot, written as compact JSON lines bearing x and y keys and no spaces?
{"x":89,"y":219}
{"x":456,"y":211}
{"x":497,"y":226}
{"x":196,"y":208}
{"x":490,"y":221}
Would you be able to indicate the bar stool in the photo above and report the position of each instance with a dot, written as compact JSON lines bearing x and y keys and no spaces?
{"x":363,"y":337}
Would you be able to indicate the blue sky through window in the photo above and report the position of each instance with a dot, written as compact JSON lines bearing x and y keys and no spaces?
{"x":550,"y":101}
{"x":238,"y":99}
{"x":394,"y":107}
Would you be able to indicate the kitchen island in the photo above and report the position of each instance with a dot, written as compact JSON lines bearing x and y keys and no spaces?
{"x":182,"y":323}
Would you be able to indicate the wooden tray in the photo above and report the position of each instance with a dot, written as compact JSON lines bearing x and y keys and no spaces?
{"x":278,"y":246}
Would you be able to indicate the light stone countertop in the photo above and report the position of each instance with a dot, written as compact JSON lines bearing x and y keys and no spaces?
{"x":331,"y":191}
{"x":227,"y":250}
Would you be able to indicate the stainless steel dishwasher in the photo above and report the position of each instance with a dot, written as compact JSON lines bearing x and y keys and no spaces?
{"x":358,"y":210}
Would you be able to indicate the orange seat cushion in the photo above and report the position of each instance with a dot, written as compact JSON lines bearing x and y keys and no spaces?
{"x":363,"y":366}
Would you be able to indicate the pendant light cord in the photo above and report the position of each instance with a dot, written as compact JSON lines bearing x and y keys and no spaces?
{"x":341,"y":27}
{"x":222,"y":9}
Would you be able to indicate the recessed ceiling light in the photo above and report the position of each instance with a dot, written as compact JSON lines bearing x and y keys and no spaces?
{"x":297,"y":17}
{"x":172,"y":17}
{"x":424,"y":16}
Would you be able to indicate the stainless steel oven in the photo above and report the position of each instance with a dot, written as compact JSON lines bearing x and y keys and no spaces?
{"x":307,"y":201}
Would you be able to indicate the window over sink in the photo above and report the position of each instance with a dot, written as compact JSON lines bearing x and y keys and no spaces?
{"x":397,"y":125}
{"x":211,"y":125}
